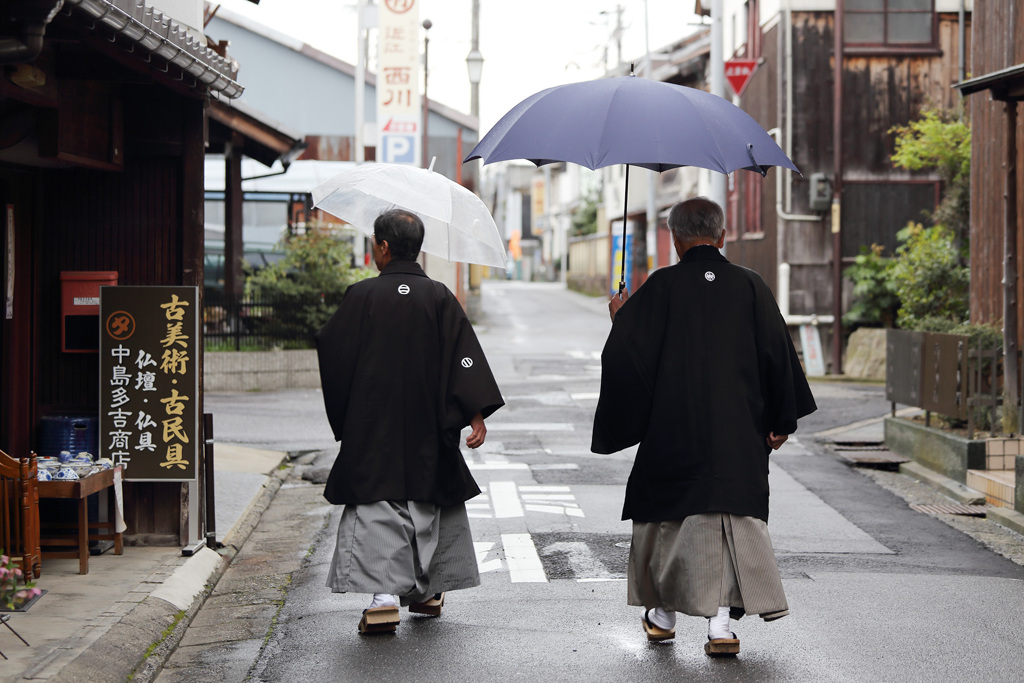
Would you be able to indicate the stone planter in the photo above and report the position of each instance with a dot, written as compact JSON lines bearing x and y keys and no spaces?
{"x":940,"y":451}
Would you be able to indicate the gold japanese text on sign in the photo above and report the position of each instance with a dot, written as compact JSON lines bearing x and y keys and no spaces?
{"x":149,"y":381}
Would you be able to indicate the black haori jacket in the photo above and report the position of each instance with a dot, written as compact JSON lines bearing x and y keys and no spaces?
{"x":698,"y":369}
{"x":402,"y":374}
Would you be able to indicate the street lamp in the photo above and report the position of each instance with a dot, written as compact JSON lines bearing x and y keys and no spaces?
{"x":475,"y":66}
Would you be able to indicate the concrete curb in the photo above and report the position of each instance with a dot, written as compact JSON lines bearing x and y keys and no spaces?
{"x":940,"y":482}
{"x":1011,"y":519}
{"x":139,"y":644}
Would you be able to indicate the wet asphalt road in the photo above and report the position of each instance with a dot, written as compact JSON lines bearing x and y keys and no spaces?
{"x":876,"y":590}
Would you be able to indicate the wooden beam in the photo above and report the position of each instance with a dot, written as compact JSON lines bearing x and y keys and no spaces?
{"x":1010,"y":366}
{"x":233,"y":248}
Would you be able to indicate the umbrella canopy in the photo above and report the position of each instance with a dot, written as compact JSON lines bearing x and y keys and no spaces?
{"x":458,"y":226}
{"x":634,"y":121}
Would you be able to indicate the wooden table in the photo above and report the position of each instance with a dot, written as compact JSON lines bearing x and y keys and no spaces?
{"x":80,"y":490}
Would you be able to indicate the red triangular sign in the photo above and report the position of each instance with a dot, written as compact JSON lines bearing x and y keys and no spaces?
{"x":738,"y":73}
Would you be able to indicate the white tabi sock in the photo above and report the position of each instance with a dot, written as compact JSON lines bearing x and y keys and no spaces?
{"x":718,"y":626}
{"x":382,"y":600}
{"x":662,"y":619}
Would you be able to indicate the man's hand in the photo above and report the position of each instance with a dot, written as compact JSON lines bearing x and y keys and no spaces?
{"x":476,"y":437}
{"x":776,"y":441}
{"x":615,"y":303}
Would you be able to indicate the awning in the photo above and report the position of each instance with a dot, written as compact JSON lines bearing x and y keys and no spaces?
{"x":1005,"y":84}
{"x":265,"y":140}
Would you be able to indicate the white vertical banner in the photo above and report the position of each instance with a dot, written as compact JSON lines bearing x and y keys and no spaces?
{"x":398,"y":83}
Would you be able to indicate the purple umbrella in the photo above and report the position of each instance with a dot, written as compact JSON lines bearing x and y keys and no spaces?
{"x":631,"y":121}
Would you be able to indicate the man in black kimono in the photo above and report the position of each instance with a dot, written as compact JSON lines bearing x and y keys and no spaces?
{"x":700,"y":370}
{"x":402,"y":373}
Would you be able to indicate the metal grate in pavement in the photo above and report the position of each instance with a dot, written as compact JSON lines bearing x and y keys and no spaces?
{"x":951,"y":509}
{"x":857,"y":446}
{"x":880,"y":458}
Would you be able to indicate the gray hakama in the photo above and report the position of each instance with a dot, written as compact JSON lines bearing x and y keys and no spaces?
{"x":409,"y":549}
{"x":705,"y":561}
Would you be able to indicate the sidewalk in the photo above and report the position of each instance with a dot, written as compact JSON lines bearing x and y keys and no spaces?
{"x":102,"y":626}
{"x":873,"y":431}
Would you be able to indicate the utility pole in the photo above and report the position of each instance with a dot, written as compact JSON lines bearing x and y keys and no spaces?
{"x":474,"y":84}
{"x":360,"y":84}
{"x":717,"y":61}
{"x":652,"y":176}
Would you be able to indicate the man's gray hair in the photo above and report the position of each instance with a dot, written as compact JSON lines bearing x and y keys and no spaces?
{"x":697,"y":218}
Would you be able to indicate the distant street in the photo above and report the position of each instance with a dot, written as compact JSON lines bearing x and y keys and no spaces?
{"x":876,"y":590}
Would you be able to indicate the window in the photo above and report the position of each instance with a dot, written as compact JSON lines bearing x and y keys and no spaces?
{"x":889,"y":23}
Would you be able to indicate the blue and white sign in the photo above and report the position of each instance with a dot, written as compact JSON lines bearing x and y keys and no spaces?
{"x":616,"y":264}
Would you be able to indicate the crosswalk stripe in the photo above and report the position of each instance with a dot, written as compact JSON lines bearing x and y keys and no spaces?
{"x":505,"y":499}
{"x":524,"y":564}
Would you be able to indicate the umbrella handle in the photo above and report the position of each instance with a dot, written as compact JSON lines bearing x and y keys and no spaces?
{"x":625,"y":211}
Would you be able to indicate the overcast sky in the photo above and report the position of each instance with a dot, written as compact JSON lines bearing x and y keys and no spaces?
{"x":528,"y":45}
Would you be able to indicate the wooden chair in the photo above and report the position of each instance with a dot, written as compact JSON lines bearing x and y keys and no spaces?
{"x":19,"y":514}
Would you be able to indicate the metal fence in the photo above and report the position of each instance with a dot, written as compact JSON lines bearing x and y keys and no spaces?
{"x":945,"y":374}
{"x":253,"y":323}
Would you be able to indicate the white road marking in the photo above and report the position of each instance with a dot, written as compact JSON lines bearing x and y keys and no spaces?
{"x":555,"y":509}
{"x":524,"y":564}
{"x":508,"y":500}
{"x":530,"y":427}
{"x":505,"y":499}
{"x":566,"y":466}
{"x":548,"y":496}
{"x":498,"y":466}
{"x":586,"y":396}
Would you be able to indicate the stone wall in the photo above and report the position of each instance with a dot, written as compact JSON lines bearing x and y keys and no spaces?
{"x":260,"y":370}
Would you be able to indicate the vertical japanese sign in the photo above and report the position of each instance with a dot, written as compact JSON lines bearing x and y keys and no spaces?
{"x":149,"y":382}
{"x":398,"y":83}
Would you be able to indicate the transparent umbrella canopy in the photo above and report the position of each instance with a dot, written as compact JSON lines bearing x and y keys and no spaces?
{"x":458,"y":226}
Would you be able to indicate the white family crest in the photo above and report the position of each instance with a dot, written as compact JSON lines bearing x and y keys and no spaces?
{"x":403,"y":289}
{"x":709,"y":276}
{"x":467,"y":362}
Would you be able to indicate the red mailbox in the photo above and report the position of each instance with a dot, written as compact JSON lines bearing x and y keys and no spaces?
{"x":80,"y":308}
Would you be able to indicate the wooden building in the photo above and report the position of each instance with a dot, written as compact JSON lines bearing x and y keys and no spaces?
{"x":994,"y":93}
{"x":895,"y":62}
{"x":103,"y":131}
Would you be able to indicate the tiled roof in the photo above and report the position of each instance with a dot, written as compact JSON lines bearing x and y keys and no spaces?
{"x":161,"y":36}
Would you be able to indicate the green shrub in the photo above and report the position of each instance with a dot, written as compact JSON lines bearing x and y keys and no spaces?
{"x":874,"y":294}
{"x":306,"y":286}
{"x":928,"y":277}
{"x":940,"y":140}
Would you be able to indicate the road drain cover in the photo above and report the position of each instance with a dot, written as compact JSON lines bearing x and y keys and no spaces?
{"x":952,"y":509}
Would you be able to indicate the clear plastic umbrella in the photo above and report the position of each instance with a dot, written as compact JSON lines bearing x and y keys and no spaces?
{"x":457,"y":224}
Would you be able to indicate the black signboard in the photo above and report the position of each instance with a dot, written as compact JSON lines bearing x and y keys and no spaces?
{"x":149,"y":381}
